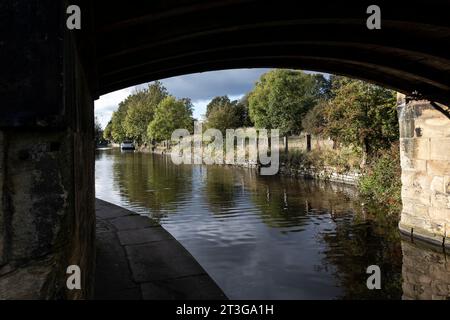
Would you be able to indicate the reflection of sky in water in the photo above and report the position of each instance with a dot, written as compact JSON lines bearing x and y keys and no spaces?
{"x":259,"y":238}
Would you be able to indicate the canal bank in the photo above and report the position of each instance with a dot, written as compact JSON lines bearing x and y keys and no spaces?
{"x":138,"y":259}
{"x":324,"y":173}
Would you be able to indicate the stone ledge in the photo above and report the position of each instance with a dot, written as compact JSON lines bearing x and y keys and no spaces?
{"x":139,"y":260}
{"x":430,"y":238}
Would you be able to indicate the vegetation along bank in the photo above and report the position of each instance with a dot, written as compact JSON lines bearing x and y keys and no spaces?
{"x":332,"y":127}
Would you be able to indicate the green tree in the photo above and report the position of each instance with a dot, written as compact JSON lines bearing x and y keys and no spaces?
{"x":217,"y":103}
{"x":363,"y":115}
{"x":118,"y":132}
{"x":242,"y":109}
{"x":107,"y":133}
{"x":140,"y":111}
{"x":170,"y":114}
{"x":224,"y":114}
{"x":325,"y":85}
{"x":98,"y":132}
{"x":315,"y":121}
{"x":281,"y":98}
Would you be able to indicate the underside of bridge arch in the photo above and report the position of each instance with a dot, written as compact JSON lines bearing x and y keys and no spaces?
{"x":150,"y":41}
{"x":51,"y":76}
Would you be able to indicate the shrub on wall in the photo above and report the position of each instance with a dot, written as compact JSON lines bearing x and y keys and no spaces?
{"x":381,"y":180}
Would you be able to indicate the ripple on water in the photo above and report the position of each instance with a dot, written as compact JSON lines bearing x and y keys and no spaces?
{"x":258,"y":237}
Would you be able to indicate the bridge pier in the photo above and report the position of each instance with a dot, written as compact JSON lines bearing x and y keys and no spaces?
{"x":47,"y":215}
{"x":425,"y":162}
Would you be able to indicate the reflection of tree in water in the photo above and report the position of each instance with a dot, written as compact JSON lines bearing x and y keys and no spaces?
{"x":278,"y":203}
{"x":357,"y":239}
{"x":285,"y":202}
{"x":221,"y":188}
{"x":353,"y":242}
{"x":371,"y":238}
{"x":152,"y":181}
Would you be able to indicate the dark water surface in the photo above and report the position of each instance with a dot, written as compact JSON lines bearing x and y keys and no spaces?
{"x":273,"y":237}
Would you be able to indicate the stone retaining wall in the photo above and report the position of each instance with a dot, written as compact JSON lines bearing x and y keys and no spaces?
{"x":425,"y":161}
{"x":328,"y":174}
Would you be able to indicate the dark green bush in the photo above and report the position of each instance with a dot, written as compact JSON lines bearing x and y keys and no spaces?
{"x":381,"y":180}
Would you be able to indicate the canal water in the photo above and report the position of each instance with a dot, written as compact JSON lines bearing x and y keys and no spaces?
{"x":273,"y":237}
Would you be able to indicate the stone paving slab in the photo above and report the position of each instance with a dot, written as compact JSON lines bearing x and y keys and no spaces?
{"x":138,"y":259}
{"x":134,"y":222}
{"x":190,"y":288}
{"x":167,"y":260}
{"x":141,"y":236}
{"x":112,"y":269}
{"x":104,"y":210}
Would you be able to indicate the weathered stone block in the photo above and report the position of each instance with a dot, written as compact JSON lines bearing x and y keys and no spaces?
{"x":440,"y":216}
{"x":407,"y":128}
{"x":411,"y":165}
{"x":440,"y":200}
{"x":407,"y":206}
{"x":416,"y":196}
{"x":39,"y":194}
{"x":434,"y":124}
{"x":438,"y":167}
{"x":447,"y":185}
{"x":439,"y":149}
{"x":438,"y":229}
{"x":419,"y":165}
{"x":408,"y":177}
{"x":422,"y":181}
{"x":406,"y":150}
{"x":421,"y":148}
{"x":437,"y":184}
{"x":29,"y":282}
{"x":421,"y":210}
{"x":414,"y":221}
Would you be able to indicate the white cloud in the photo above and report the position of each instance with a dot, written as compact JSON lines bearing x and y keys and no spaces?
{"x":108,"y":103}
{"x":200,"y":105}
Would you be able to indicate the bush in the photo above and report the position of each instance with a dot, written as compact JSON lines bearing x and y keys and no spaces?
{"x":342,"y":160}
{"x":381,"y":180}
{"x":295,"y":159}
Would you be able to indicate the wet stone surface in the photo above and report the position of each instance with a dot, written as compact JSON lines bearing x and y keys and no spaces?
{"x":137,"y":259}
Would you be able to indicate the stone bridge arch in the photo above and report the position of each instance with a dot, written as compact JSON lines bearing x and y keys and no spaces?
{"x":51,"y":76}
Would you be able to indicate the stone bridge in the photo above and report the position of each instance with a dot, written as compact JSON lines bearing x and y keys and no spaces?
{"x":50,"y":77}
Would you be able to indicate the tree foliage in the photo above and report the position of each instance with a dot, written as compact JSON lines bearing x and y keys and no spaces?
{"x":170,"y":114}
{"x":282,"y":97}
{"x":141,"y":109}
{"x":118,"y":133}
{"x":107,"y":133}
{"x":243,"y":111}
{"x":362,"y":114}
{"x":315,"y":121}
{"x":222,"y":114}
{"x":98,"y":132}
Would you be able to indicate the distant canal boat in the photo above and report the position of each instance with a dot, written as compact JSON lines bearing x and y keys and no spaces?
{"x":127,"y":145}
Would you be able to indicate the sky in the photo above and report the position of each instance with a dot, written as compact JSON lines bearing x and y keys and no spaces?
{"x":199,"y":87}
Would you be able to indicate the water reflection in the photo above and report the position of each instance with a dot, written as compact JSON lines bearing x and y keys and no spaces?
{"x":359,"y":241}
{"x":145,"y":183}
{"x":426,"y":273}
{"x":263,"y":237}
